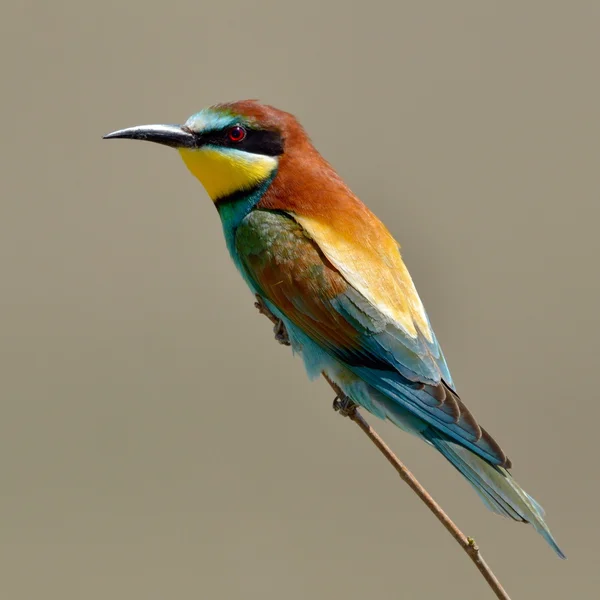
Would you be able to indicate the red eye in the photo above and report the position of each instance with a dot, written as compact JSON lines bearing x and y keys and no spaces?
{"x":236,"y":134}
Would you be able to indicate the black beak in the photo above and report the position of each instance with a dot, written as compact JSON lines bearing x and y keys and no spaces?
{"x":168,"y":135}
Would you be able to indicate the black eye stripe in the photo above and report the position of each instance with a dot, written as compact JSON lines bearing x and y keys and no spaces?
{"x":265,"y":142}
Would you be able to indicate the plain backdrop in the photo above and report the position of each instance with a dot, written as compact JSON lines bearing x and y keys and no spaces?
{"x":155,"y":442}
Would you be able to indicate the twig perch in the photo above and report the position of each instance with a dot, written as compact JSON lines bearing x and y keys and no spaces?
{"x":347,"y":408}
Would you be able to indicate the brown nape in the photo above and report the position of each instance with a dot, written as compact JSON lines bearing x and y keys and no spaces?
{"x":306,"y":184}
{"x":267,"y":117}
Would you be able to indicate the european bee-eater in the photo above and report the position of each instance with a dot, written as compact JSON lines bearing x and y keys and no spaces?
{"x":323,"y":264}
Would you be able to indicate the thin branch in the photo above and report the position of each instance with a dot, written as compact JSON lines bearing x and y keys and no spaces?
{"x":347,"y":408}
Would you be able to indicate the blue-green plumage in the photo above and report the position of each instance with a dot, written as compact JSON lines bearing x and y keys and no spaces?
{"x":389,"y":375}
{"x":233,"y":211}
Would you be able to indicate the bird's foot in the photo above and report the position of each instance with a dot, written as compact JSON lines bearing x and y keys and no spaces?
{"x":341,"y":403}
{"x":344,"y":406}
{"x":281,"y":334}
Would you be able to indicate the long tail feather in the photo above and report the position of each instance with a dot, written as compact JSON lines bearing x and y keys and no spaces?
{"x":495,"y":486}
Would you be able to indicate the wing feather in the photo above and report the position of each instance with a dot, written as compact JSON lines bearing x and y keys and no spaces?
{"x":289,"y":267}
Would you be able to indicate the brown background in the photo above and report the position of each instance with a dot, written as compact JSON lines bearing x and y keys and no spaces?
{"x":155,"y":442}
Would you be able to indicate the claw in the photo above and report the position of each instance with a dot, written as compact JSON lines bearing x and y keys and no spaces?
{"x":262,"y":308}
{"x":344,"y":406}
{"x":281,"y":334}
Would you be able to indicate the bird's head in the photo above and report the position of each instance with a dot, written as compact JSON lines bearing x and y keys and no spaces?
{"x":230,"y":148}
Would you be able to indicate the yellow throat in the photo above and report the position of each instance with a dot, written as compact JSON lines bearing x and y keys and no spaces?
{"x":224,"y":171}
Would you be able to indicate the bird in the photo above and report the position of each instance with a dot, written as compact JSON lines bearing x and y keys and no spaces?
{"x":333,"y":277}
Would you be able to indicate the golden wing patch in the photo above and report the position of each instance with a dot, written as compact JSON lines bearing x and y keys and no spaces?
{"x":369,"y":259}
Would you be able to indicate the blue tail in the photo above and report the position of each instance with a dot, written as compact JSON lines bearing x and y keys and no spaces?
{"x":495,"y":486}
